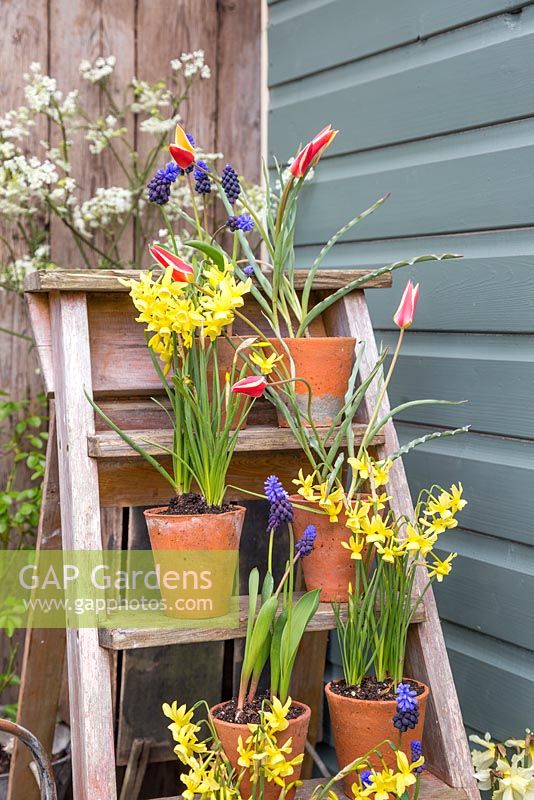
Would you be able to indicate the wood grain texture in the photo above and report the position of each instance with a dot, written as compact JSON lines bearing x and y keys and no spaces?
{"x":87,"y":280}
{"x":133,"y":638}
{"x":89,"y":674}
{"x":351,"y":33}
{"x":44,"y":649}
{"x":432,"y":788}
{"x":445,"y":742}
{"x":257,"y":438}
{"x":453,"y":83}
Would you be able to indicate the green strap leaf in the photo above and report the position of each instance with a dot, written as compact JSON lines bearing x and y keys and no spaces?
{"x":428,"y":438}
{"x":213,"y":252}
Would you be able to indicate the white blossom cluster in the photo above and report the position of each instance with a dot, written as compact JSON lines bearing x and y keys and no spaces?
{"x":108,"y":207}
{"x":17,"y":270}
{"x":101,"y":69}
{"x":100,"y":133}
{"x":24,"y":184}
{"x":150,"y":97}
{"x":43,"y":96}
{"x":192,"y":64}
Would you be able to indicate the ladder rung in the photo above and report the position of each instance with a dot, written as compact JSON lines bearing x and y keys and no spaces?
{"x":134,"y":638}
{"x":258,"y":438}
{"x":432,"y":788}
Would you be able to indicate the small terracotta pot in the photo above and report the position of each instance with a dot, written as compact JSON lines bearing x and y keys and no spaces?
{"x":208,"y":535}
{"x":229,"y":733}
{"x":360,"y":725}
{"x":326,"y":363}
{"x":329,"y":566}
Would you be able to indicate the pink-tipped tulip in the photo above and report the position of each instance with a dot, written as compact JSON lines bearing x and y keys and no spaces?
{"x":313,"y":151}
{"x":406,"y":310}
{"x":253,"y":386}
{"x":182,"y":151}
{"x":181,"y":272}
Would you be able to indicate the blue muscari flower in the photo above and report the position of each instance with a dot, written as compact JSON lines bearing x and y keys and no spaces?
{"x":406,"y":697}
{"x":202,"y":180}
{"x":281,"y":510}
{"x":305,"y":544}
{"x":243,"y":223}
{"x":248,"y":271}
{"x":365,"y":777}
{"x":230,"y":183}
{"x":159,"y":187}
{"x":417,"y":751}
{"x":407,"y":715}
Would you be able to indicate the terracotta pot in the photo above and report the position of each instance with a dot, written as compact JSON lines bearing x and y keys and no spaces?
{"x":360,"y":725}
{"x":229,"y":733}
{"x":209,"y":543}
{"x":326,"y":363}
{"x":329,"y":566}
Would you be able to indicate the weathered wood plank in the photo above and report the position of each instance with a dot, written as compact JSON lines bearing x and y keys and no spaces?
{"x":456,"y":82}
{"x":445,"y":742}
{"x":133,"y":638}
{"x":93,"y":760}
{"x":258,"y":438}
{"x":93,"y":280}
{"x":351,"y":33}
{"x":432,"y":788}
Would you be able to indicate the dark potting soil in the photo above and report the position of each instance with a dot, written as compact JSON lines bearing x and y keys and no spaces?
{"x":251,"y":711}
{"x":192,"y":503}
{"x":371,"y":689}
{"x":5,"y":761}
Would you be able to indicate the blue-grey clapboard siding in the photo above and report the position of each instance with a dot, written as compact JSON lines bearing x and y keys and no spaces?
{"x":435,"y":104}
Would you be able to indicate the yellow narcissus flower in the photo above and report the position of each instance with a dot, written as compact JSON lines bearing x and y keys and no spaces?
{"x":380,"y":472}
{"x":515,"y":782}
{"x":265,"y":363}
{"x":389,"y":552}
{"x":441,"y":568}
{"x":356,"y":546}
{"x":180,"y":716}
{"x":375,"y":529}
{"x":382,"y":783}
{"x":417,"y":542}
{"x":306,"y":485}
{"x":438,"y":524}
{"x":359,"y":792}
{"x":360,"y":466}
{"x":355,"y":515}
{"x":275,"y":719}
{"x":405,"y":776}
{"x":199,"y":780}
{"x":332,"y":502}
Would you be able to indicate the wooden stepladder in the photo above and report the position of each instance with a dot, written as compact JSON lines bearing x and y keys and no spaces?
{"x":87,"y":338}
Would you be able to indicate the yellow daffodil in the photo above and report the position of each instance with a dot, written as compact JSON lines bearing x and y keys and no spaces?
{"x":180,"y":716}
{"x":441,"y":568}
{"x":355,"y":515}
{"x":306,"y":485}
{"x":265,"y":363}
{"x":356,"y":545}
{"x":438,"y":524}
{"x":483,"y":759}
{"x":382,"y":783}
{"x":275,"y":718}
{"x":380,"y":472}
{"x":389,"y":552}
{"x":405,"y":775}
{"x":360,"y":467}
{"x":515,"y":782}
{"x":359,"y":792}
{"x":417,"y":542}
{"x":375,"y":529}
{"x":331,"y":502}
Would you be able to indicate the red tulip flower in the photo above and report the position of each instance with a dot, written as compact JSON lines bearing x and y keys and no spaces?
{"x":406,"y":310}
{"x":182,"y":151}
{"x":253,"y":386}
{"x":313,"y":151}
{"x":181,"y":272}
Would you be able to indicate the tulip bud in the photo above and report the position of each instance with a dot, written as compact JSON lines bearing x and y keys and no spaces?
{"x":181,"y":272}
{"x":406,"y":310}
{"x":312,"y":152}
{"x":182,"y":151}
{"x":253,"y":386}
